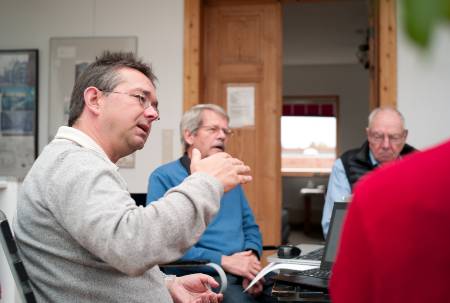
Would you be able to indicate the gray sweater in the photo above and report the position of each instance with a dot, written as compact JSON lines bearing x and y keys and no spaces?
{"x":83,"y":239}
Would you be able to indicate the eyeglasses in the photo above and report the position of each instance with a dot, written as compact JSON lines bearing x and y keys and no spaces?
{"x":143,"y":100}
{"x":378,"y":137}
{"x":214,"y":129}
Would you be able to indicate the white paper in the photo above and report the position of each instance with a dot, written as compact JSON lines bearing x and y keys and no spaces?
{"x":241,"y":106}
{"x":277,"y":266}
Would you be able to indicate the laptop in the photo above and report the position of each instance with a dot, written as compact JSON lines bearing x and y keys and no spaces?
{"x":319,"y":277}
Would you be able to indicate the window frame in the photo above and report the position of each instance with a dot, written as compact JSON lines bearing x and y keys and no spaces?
{"x":314,"y":99}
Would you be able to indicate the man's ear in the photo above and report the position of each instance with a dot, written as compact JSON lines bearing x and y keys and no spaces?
{"x":406,"y":134}
{"x":92,"y":95}
{"x":188,"y":137}
{"x":367,"y":132}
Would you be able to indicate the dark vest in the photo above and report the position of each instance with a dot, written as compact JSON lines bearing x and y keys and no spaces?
{"x":357,"y":161}
{"x":186,"y":163}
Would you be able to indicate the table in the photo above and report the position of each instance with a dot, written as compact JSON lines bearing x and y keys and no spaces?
{"x":286,"y":292}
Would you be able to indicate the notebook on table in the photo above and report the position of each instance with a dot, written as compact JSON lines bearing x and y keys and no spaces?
{"x":319,"y":277}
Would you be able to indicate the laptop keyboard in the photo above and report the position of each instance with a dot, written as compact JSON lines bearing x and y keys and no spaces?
{"x":317,"y":273}
{"x":313,"y":255}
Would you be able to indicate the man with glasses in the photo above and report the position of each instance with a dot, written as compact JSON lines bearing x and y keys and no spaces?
{"x":386,"y":137}
{"x":233,"y":239}
{"x":80,"y":234}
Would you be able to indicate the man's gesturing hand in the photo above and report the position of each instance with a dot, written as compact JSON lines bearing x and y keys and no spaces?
{"x":228,"y":170}
{"x":194,"y":289}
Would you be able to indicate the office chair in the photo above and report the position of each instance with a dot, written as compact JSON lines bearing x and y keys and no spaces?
{"x":15,"y":263}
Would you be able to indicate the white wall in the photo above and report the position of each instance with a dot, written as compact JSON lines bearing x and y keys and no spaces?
{"x":323,"y":32}
{"x":424,"y":87}
{"x":159,"y":28}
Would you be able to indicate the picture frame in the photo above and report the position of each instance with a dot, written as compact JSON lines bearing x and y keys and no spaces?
{"x":18,"y":111}
{"x":69,"y":56}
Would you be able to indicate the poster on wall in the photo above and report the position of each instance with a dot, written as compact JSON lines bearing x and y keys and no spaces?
{"x":18,"y":111}
{"x":241,"y":105}
{"x":68,"y":58}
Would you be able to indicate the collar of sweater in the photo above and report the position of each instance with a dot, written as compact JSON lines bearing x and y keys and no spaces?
{"x":80,"y":138}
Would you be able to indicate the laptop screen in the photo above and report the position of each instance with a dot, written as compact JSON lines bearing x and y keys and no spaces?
{"x":337,"y":220}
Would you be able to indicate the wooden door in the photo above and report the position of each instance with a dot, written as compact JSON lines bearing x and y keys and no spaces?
{"x":240,"y":42}
{"x":241,"y":47}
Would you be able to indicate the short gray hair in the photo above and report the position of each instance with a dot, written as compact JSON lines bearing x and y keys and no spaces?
{"x":192,"y":119}
{"x":377,"y":110}
{"x":104,"y":74}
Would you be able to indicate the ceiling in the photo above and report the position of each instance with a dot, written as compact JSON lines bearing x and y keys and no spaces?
{"x":324,"y":32}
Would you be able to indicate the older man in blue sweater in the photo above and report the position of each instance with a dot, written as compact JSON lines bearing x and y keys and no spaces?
{"x":232,"y":239}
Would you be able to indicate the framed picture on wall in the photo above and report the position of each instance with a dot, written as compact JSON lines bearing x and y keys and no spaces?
{"x":18,"y":111}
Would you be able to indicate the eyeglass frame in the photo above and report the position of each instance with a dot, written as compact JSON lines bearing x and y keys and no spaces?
{"x":214,"y":129}
{"x":143,"y":100}
{"x":378,"y":138}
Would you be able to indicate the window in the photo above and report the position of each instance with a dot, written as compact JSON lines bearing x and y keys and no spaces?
{"x":309,"y":134}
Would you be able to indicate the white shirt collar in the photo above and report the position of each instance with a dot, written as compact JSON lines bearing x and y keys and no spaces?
{"x":372,"y":159}
{"x":82,"y":139}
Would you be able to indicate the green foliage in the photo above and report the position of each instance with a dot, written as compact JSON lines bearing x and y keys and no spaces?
{"x":421,"y":16}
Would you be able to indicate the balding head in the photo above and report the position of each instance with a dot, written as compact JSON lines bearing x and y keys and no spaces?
{"x":386,"y":134}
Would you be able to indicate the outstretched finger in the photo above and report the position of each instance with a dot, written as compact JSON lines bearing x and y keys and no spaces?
{"x":209,"y":281}
{"x":243,"y":169}
{"x":236,"y":161}
{"x":244,"y":179}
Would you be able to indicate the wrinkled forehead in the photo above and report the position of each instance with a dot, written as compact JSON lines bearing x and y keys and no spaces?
{"x":387,"y":122}
{"x":209,"y":117}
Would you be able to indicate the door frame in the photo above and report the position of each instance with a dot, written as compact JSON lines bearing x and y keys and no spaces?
{"x":383,"y":56}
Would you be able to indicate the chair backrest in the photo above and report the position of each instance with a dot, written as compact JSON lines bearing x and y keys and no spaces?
{"x":139,"y":198}
{"x":15,"y":263}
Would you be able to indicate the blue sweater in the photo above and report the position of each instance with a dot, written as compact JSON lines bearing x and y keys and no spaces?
{"x":232,"y":230}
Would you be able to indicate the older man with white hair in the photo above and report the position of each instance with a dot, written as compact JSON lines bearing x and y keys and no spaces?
{"x":386,"y":142}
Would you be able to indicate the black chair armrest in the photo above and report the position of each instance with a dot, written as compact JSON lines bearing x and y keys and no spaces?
{"x":196,"y":263}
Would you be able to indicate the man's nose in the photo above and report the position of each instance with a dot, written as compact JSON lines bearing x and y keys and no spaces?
{"x":386,"y":142}
{"x":222,"y":135}
{"x":151,"y":113}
